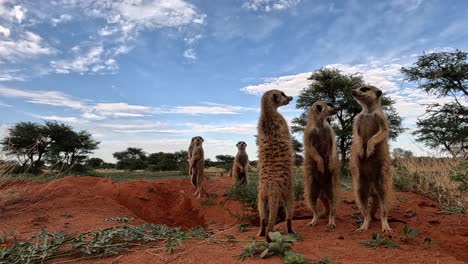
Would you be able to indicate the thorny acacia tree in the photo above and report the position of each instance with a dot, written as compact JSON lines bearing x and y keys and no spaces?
{"x":443,"y":126}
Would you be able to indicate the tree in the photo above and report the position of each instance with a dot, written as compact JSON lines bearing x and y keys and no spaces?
{"x":334,"y":86}
{"x":444,"y":74}
{"x":28,"y":142}
{"x":162,"y":161}
{"x":94,"y":163}
{"x":445,"y":127}
{"x":297,"y":148}
{"x":181,"y":158}
{"x":131,"y":159}
{"x":399,"y":153}
{"x":224,"y":161}
{"x":67,"y":146}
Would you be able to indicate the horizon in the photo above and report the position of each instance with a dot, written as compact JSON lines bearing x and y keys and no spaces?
{"x":152,"y":74}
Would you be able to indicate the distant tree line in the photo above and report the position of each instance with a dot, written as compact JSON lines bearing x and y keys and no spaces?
{"x":54,"y":144}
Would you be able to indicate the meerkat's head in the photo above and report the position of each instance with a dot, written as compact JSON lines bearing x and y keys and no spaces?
{"x":241,"y":145}
{"x":367,"y":95}
{"x":275,"y":98}
{"x":321,"y":110}
{"x":197,"y":140}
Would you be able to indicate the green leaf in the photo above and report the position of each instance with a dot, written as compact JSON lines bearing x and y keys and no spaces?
{"x":264,"y":253}
{"x":274,"y":236}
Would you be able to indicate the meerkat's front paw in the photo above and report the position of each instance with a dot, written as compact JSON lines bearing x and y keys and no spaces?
{"x":386,"y":228}
{"x":320,"y":167}
{"x":361,"y":153}
{"x":313,"y":222}
{"x":370,"y":150}
{"x":331,"y":223}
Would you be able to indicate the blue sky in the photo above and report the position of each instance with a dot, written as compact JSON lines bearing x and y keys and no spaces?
{"x":152,"y":74}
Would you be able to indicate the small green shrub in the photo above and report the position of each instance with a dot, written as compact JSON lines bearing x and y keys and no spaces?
{"x":280,"y":245}
{"x":379,"y":241}
{"x":460,"y":175}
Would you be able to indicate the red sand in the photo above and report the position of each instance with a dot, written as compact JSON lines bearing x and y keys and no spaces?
{"x":81,"y":204}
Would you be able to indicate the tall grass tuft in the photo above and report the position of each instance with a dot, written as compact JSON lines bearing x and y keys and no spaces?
{"x":441,"y":179}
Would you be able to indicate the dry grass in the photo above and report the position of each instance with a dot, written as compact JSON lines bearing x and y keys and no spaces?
{"x":432,"y":177}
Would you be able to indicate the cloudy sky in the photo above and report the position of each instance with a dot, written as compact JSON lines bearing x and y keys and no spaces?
{"x":154,"y":73}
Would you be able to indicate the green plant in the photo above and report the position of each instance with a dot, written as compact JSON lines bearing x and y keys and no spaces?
{"x":243,"y":227}
{"x":207,"y":202}
{"x":291,"y":257}
{"x":402,"y":199}
{"x":428,"y":241}
{"x":67,"y":215}
{"x":409,"y":233}
{"x":119,"y":219}
{"x":326,"y":260}
{"x":379,"y":241}
{"x":460,"y":175}
{"x":104,"y":242}
{"x":280,"y":245}
{"x":410,"y":214}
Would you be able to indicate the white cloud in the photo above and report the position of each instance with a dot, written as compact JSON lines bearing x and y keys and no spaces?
{"x":53,"y":98}
{"x":26,"y":46}
{"x":94,"y":61}
{"x":384,"y":76}
{"x":98,"y":111}
{"x":190,"y":54}
{"x":207,"y":109}
{"x":61,"y":19}
{"x":122,"y":110}
{"x":157,"y":13}
{"x":292,"y":85}
{"x":60,"y":118}
{"x":14,"y":13}
{"x":5,"y":31}
{"x":269,"y":5}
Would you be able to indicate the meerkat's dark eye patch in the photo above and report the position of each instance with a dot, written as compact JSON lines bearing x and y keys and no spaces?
{"x":319,"y":108}
{"x":330,"y":105}
{"x":283,"y":94}
{"x":275,"y":98}
{"x":379,"y":93}
{"x":364,"y":89}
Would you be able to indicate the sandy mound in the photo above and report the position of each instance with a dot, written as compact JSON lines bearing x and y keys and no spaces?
{"x":82,"y":204}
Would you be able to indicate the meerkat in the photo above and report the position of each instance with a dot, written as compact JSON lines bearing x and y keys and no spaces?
{"x":197,"y":161}
{"x":321,"y":163}
{"x":275,"y":163}
{"x":239,"y":168}
{"x":190,"y":150}
{"x":370,"y":161}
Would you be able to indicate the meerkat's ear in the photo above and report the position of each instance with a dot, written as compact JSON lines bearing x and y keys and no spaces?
{"x":319,"y":108}
{"x":379,"y":93}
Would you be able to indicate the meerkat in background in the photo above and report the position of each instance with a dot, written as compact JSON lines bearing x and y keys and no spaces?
{"x":275,"y":163}
{"x":370,"y":161}
{"x":321,"y":163}
{"x":197,"y":162}
{"x":239,"y":168}
{"x":190,"y":150}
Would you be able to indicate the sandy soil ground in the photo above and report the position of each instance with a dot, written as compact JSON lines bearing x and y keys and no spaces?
{"x":81,"y":204}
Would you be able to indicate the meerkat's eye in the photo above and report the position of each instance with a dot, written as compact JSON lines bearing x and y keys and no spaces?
{"x":283,"y":94}
{"x":330,"y":105}
{"x":364,"y":89}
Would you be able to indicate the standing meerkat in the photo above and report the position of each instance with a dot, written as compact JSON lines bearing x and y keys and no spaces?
{"x":239,"y":168}
{"x":321,"y":163}
{"x":190,"y":150}
{"x":370,"y":162}
{"x":197,"y":162}
{"x":275,"y":163}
